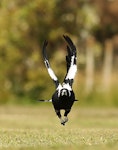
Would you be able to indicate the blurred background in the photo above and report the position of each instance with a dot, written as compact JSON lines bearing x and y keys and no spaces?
{"x":93,"y":27}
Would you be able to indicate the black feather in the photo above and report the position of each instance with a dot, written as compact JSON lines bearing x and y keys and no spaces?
{"x":44,"y":49}
{"x":70,"y":43}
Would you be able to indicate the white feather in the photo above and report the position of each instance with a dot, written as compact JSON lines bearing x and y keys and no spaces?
{"x":59,"y":89}
{"x":64,"y":86}
{"x":52,"y":75}
{"x":72,"y":70}
{"x":67,"y":86}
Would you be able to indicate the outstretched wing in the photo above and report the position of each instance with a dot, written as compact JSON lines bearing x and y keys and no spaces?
{"x":42,"y":100}
{"x":47,"y":64}
{"x":71,"y":61}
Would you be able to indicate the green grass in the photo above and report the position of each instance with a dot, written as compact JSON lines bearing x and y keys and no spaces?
{"x":37,"y":127}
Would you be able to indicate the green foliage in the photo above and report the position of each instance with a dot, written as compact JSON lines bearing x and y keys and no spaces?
{"x":22,"y":32}
{"x":24,"y":25}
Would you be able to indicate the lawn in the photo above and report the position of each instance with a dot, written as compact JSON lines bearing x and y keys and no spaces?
{"x":37,"y":127}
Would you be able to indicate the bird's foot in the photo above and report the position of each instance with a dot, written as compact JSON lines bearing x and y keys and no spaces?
{"x":64,"y":121}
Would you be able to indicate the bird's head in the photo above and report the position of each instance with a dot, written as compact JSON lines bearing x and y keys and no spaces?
{"x":65,"y":92}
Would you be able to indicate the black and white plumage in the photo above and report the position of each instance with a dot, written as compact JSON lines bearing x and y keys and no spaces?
{"x":63,"y":97}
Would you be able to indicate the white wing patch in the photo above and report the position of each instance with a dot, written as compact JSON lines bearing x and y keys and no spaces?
{"x":72,"y":70}
{"x":52,"y":75}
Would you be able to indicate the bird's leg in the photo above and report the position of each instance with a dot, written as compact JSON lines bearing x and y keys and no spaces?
{"x":65,"y":115}
{"x":60,"y":117}
{"x":65,"y":119}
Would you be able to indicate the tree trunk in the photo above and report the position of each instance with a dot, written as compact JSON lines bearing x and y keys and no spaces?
{"x":107,"y":66}
{"x":89,"y":65}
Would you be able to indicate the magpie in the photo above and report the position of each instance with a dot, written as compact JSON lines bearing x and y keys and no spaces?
{"x":63,"y":97}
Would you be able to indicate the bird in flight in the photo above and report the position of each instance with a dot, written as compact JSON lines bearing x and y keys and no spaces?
{"x":63,"y":97}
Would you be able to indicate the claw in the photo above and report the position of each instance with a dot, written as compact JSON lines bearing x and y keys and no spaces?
{"x":63,"y":123}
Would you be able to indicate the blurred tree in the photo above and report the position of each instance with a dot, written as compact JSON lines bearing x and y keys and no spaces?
{"x":24,"y":25}
{"x":107,"y":66}
{"x":105,"y":32}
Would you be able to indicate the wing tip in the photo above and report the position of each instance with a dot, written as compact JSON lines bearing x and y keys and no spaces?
{"x":76,"y":100}
{"x":66,"y":37}
{"x":44,"y":49}
{"x":45,"y":43}
{"x":70,"y":44}
{"x":42,"y":100}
